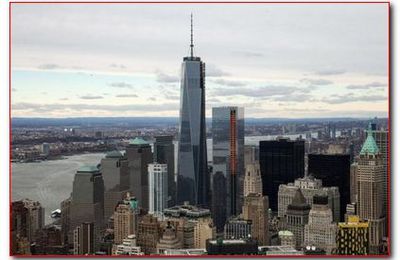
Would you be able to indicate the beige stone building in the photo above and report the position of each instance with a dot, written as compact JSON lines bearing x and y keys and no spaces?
{"x":255,"y":208}
{"x":252,"y":179}
{"x":125,"y":219}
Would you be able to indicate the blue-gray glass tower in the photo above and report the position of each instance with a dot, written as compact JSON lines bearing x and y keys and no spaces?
{"x":193,"y":183}
{"x":228,"y":162}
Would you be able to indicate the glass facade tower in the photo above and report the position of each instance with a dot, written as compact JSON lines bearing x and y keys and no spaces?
{"x":193,"y":183}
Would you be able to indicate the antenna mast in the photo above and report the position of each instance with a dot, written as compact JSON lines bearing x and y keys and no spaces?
{"x":191,"y":35}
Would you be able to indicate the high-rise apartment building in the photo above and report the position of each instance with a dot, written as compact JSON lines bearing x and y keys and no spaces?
{"x":309,"y":187}
{"x":139,"y":155}
{"x":333,"y":170}
{"x":281,"y":162}
{"x":228,"y":156}
{"x":352,"y":237}
{"x":164,"y":153}
{"x":84,"y":239}
{"x":321,"y":230}
{"x":297,"y":217}
{"x":87,"y":201}
{"x":371,"y":181}
{"x":158,"y":188}
{"x":252,"y":179}
{"x":193,"y":181}
{"x":125,"y":219}
{"x":255,"y":208}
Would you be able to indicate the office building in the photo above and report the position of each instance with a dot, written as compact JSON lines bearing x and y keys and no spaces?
{"x":169,"y":239}
{"x":228,"y":155}
{"x":353,"y":183}
{"x":297,"y":217}
{"x":27,"y":218}
{"x":309,"y":187}
{"x":148,"y":234}
{"x":232,"y":247}
{"x":371,"y":179}
{"x":255,"y":208}
{"x":278,"y":250}
{"x":286,"y":238}
{"x":333,"y":170}
{"x":87,"y":200}
{"x":84,"y":239}
{"x":281,"y":162}
{"x":252,"y":179}
{"x":218,"y":207}
{"x":164,"y":153}
{"x":321,"y":230}
{"x":237,"y":228}
{"x":158,"y":188}
{"x":127,"y":247}
{"x":139,"y":155}
{"x":125,"y":219}
{"x":251,"y":154}
{"x":193,"y":182}
{"x":65,"y":207}
{"x":352,"y":237}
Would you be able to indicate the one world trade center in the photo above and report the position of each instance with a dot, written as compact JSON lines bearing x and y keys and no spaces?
{"x":193,"y":183}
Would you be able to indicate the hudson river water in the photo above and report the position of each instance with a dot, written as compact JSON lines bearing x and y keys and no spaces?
{"x":50,"y":182}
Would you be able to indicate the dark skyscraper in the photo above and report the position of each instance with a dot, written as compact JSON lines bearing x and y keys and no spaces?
{"x":228,"y":154}
{"x":139,"y":156}
{"x":193,"y":184}
{"x":164,"y":154}
{"x":281,"y":162}
{"x":333,"y":170}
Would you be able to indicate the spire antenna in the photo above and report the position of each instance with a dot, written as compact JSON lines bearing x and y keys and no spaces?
{"x":191,"y":35}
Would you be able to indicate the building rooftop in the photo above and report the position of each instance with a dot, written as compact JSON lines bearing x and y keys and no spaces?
{"x":114,"y":154}
{"x":369,"y":146}
{"x":88,"y":169}
{"x":138,"y":141}
{"x":186,"y":210}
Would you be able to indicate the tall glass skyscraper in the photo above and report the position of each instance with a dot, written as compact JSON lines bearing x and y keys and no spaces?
{"x":193,"y":183}
{"x":228,"y":157}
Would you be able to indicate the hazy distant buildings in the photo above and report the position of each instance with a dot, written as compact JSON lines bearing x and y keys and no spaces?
{"x":228,"y":156}
{"x":164,"y":153}
{"x":193,"y":180}
{"x":139,"y":155}
{"x":297,"y":217}
{"x":333,"y":170}
{"x":371,"y":181}
{"x":281,"y":162}
{"x":352,"y":237}
{"x":158,"y":188}
{"x":255,"y":208}
{"x":309,"y":187}
{"x":321,"y":230}
{"x":252,"y":179}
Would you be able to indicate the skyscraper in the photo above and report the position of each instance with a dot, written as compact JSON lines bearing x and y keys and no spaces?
{"x":158,"y":188}
{"x":228,"y":155}
{"x":164,"y":152}
{"x":333,"y":170}
{"x":255,"y":208}
{"x":125,"y":219}
{"x":84,"y":239}
{"x":371,"y":179}
{"x":87,"y":201}
{"x":281,"y":162}
{"x":193,"y":183}
{"x":139,"y":156}
{"x":320,"y":230}
{"x":252,"y":179}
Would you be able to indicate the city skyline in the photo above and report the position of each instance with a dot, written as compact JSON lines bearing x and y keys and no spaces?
{"x":259,"y":69}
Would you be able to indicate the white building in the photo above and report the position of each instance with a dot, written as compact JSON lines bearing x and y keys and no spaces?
{"x":158,"y":188}
{"x":128,"y":247}
{"x":309,"y":187}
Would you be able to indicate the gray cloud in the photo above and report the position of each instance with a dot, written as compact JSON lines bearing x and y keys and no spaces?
{"x":120,"y":85}
{"x":13,"y":89}
{"x":126,"y":96}
{"x":232,"y":83}
{"x":330,"y":72}
{"x":117,"y":66}
{"x":294,"y":98}
{"x":341,"y":99}
{"x":214,"y":71}
{"x":260,"y":92}
{"x":91,"y":97}
{"x":367,"y":86}
{"x":63,"y":99}
{"x":317,"y":82}
{"x":152,"y":99}
{"x":82,"y":107}
{"x":49,"y":66}
{"x":249,"y":54}
{"x":165,"y":78}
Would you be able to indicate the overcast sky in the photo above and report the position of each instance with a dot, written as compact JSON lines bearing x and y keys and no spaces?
{"x":276,"y":60}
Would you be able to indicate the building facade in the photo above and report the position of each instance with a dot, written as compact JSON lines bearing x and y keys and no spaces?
{"x":255,"y":208}
{"x":84,"y":239}
{"x":281,"y":162}
{"x":193,"y":182}
{"x":252,"y":179}
{"x":352,"y":237}
{"x":237,"y":229}
{"x":158,"y":188}
{"x":125,"y":217}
